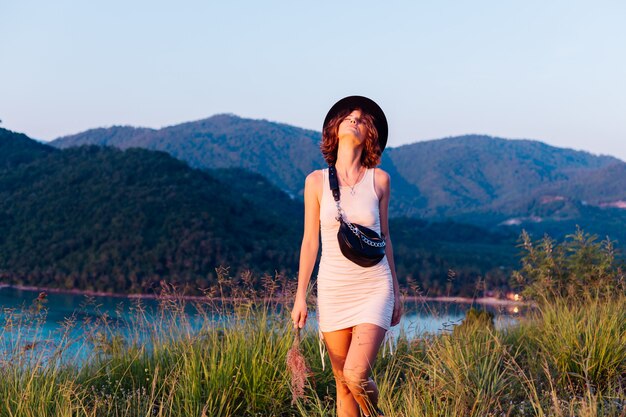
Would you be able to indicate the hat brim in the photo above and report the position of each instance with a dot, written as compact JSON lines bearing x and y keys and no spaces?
{"x":368,"y":106}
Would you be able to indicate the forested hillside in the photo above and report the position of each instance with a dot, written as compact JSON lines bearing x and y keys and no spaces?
{"x":16,"y":149}
{"x":98,"y":218}
{"x":473,"y":178}
{"x":103,"y":219}
{"x":282,"y":153}
{"x":473,"y":173}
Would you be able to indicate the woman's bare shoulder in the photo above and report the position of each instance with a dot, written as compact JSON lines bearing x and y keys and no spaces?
{"x":381,"y":183}
{"x":314,"y":178}
{"x":314,"y":181}
{"x":381,"y":176}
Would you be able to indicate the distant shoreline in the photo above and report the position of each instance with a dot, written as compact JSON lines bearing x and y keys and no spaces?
{"x":89,"y":293}
{"x":492,"y":301}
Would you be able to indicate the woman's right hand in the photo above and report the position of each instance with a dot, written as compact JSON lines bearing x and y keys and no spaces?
{"x":299,"y":313}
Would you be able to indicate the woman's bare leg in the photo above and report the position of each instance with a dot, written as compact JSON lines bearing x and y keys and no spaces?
{"x":338,"y":345}
{"x":357,"y":368}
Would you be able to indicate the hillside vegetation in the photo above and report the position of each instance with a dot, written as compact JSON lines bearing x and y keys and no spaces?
{"x":476,"y":178}
{"x":282,"y":153}
{"x":16,"y":149}
{"x":103,"y":219}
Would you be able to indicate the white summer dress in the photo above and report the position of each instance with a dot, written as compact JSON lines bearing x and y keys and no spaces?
{"x":348,"y":294}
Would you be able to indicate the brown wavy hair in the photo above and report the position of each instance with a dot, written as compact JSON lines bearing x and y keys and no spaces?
{"x":370,"y":157}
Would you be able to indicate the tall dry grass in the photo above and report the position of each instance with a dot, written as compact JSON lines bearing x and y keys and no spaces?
{"x":228,"y":359}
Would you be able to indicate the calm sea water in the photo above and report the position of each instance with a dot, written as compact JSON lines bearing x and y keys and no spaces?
{"x":61,"y":309}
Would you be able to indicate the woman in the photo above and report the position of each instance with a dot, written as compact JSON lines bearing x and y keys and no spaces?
{"x":356,"y":305}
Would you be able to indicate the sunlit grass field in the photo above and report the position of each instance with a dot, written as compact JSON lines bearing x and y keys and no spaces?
{"x":565,"y":357}
{"x":562,"y":359}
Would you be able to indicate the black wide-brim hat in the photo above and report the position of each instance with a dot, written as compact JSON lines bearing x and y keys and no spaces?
{"x":368,"y":106}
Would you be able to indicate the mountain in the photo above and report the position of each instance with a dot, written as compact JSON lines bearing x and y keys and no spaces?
{"x":282,"y":153}
{"x":111,"y":220}
{"x":99,"y":218}
{"x":603,"y":187}
{"x":116,"y":136}
{"x":16,"y":149}
{"x":520,"y":184}
{"x":481,"y":173}
{"x":468,"y":178}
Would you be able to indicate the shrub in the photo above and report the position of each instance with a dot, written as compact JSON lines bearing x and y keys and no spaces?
{"x":577,"y":269}
{"x":475,"y":320}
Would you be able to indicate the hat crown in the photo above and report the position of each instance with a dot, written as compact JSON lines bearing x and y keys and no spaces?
{"x":368,"y":106}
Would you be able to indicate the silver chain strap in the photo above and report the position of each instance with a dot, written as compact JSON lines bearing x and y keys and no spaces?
{"x":356,"y":231}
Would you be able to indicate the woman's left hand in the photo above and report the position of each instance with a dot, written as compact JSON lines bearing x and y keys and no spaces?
{"x":397,"y":311}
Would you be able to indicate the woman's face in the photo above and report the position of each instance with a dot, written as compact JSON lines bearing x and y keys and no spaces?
{"x":353,"y":126}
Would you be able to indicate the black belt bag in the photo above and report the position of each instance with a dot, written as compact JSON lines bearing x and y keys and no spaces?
{"x":361,"y":245}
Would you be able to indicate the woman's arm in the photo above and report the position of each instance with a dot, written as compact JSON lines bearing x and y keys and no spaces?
{"x":310,"y":245}
{"x":383,"y":190}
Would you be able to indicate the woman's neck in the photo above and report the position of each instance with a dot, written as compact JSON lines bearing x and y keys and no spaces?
{"x":348,"y":159}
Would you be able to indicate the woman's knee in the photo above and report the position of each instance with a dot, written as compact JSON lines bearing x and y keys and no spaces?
{"x":356,"y":375}
{"x":340,"y":380}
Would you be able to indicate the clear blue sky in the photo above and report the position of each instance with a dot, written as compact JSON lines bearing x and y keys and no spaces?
{"x":548,"y":70}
